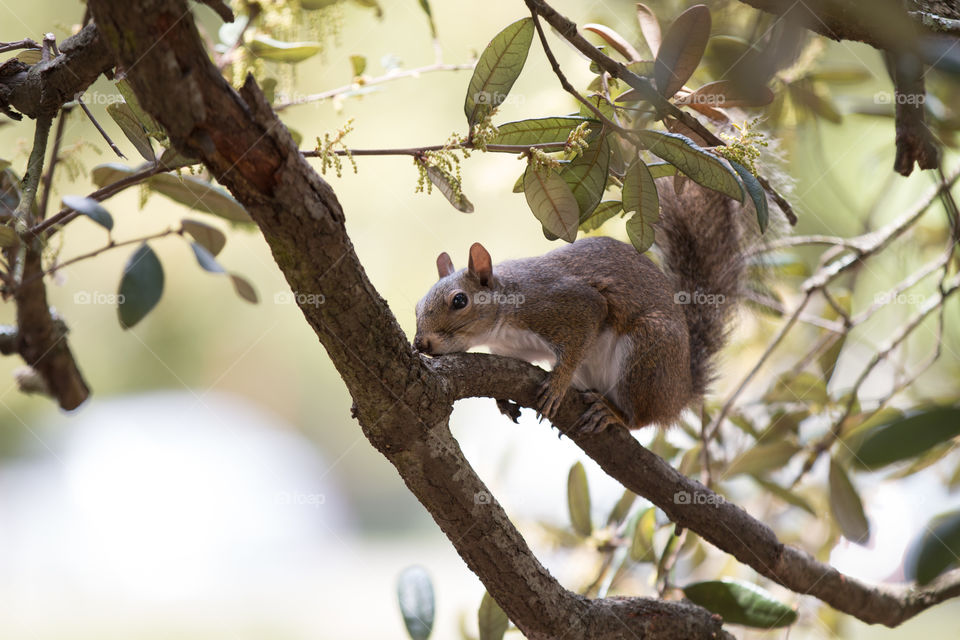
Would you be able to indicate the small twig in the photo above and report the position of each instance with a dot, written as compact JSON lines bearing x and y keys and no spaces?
{"x":103,"y":133}
{"x":31,"y":179}
{"x":367,"y":82}
{"x":26,"y":43}
{"x":66,"y":214}
{"x":419,"y":151}
{"x":52,"y":165}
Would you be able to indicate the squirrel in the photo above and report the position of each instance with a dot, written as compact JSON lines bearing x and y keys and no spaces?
{"x":639,"y":339}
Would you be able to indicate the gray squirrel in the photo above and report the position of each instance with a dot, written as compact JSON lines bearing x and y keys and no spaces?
{"x":639,"y":339}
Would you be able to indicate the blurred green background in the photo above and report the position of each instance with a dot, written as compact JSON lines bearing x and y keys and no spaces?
{"x":215,"y":485}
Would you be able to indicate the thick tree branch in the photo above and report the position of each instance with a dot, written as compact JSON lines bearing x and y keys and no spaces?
{"x":401,"y":404}
{"x":723,"y":524}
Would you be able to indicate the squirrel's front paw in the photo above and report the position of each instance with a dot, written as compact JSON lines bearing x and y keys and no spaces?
{"x":549,"y":399}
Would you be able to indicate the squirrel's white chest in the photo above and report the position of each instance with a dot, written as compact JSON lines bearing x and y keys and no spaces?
{"x":600,"y":370}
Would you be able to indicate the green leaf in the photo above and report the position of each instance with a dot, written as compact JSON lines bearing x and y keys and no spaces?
{"x":762,"y":457}
{"x":785,"y":494}
{"x":90,"y":208}
{"x":804,"y":387}
{"x":497,"y":69}
{"x":150,"y":125}
{"x":415,"y":595}
{"x":358,"y":64}
{"x":205,"y":259}
{"x":578,"y":500}
{"x":681,"y":50}
{"x":756,"y":193}
{"x":491,"y":620}
{"x":935,"y":550}
{"x":538,"y":130}
{"x":661,"y":169}
{"x":552,"y":203}
{"x":641,"y":231}
{"x":276,"y":51}
{"x":641,"y":540}
{"x":131,"y":127}
{"x":445,"y":184}
{"x":846,"y":506}
{"x":622,"y":508}
{"x":243,"y":288}
{"x":210,"y":237}
{"x":200,"y":195}
{"x":640,"y":191}
{"x":906,"y":437}
{"x":604,"y":211}
{"x":586,"y":175}
{"x":104,"y":174}
{"x":140,"y":286}
{"x":741,"y":603}
{"x":702,"y":167}
{"x":425,"y":5}
{"x":172,"y":159}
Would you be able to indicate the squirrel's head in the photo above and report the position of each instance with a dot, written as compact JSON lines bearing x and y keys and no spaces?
{"x":457,"y":314}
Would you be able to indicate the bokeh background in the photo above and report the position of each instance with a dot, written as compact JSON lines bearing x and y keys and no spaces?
{"x":215,"y":486}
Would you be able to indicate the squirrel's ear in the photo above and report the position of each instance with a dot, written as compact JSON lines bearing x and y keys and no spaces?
{"x":480,"y":265}
{"x":444,"y":265}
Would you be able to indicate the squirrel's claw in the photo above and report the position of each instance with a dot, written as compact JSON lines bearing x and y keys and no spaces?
{"x":598,"y":417}
{"x":549,"y":399}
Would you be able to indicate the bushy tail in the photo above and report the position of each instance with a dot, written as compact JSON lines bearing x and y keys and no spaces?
{"x":701,"y":236}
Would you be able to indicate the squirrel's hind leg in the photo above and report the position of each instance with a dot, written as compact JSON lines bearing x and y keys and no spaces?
{"x":600,"y":415}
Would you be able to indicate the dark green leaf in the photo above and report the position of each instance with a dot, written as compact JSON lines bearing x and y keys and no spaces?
{"x":538,"y":130}
{"x":552,"y":202}
{"x":641,"y":231}
{"x":604,"y":211}
{"x":150,"y":125}
{"x":140,"y":286}
{"x":425,"y":5}
{"x":846,"y":506}
{"x":415,"y":595}
{"x":578,"y":500}
{"x":491,"y":620}
{"x":904,"y":438}
{"x":276,"y":51}
{"x":172,"y":159}
{"x":702,"y":167}
{"x":200,"y":195}
{"x":243,"y":288}
{"x":741,"y":603}
{"x":935,"y":550}
{"x":90,"y":208}
{"x":497,"y":69}
{"x":756,"y":192}
{"x":682,"y":47}
{"x":210,"y":237}
{"x":445,"y":184}
{"x":205,"y":259}
{"x":131,"y":127}
{"x":586,"y":176}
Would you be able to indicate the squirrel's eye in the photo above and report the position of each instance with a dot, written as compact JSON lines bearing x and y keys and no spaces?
{"x":459,"y":301}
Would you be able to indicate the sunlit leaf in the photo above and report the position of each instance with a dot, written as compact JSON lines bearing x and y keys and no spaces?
{"x":415,"y":595}
{"x":622,"y":508}
{"x":906,"y":437}
{"x":682,"y":48}
{"x":491,"y":620}
{"x":578,"y":500}
{"x":552,"y":202}
{"x":702,"y":167}
{"x":615,"y":40}
{"x":444,"y":183}
{"x":762,"y":457}
{"x":200,"y":195}
{"x":537,"y":130}
{"x":497,"y":69}
{"x":358,"y":64}
{"x":649,"y":27}
{"x":935,"y":550}
{"x":803,"y":387}
{"x":132,"y":129}
{"x":661,"y":169}
{"x":243,"y":288}
{"x":140,"y":286}
{"x":726,"y":93}
{"x":267,"y":48}
{"x":210,"y":237}
{"x":604,"y":211}
{"x":756,"y":193}
{"x":740,"y":602}
{"x":786,"y":495}
{"x":846,"y":506}
{"x":205,"y":259}
{"x":90,"y":208}
{"x":641,"y":540}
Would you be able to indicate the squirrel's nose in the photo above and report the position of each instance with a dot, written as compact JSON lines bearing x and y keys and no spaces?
{"x":421,"y":344}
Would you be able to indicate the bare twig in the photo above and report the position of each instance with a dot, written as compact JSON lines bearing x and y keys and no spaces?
{"x":52,"y":165}
{"x":96,"y":124}
{"x":26,"y":43}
